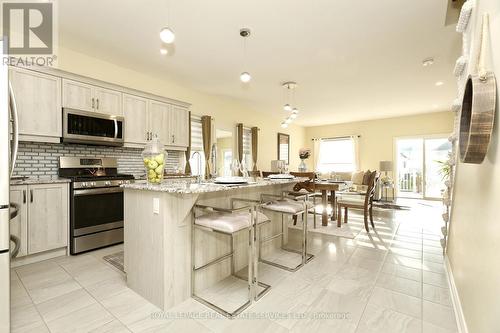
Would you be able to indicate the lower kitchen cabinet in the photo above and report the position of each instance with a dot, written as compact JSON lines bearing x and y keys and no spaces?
{"x":19,"y":225}
{"x":43,"y":222}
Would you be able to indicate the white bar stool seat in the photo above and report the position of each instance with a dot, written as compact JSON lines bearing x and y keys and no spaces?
{"x":229,"y":222}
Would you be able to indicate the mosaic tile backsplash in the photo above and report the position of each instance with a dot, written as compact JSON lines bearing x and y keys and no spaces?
{"x":41,"y":159}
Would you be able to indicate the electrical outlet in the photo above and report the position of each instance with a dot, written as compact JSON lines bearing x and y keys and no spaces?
{"x":156,"y":206}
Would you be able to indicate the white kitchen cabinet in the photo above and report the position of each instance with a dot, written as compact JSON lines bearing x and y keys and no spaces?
{"x":38,"y":100}
{"x":48,"y":217}
{"x":78,"y":95}
{"x":135,"y":111}
{"x":178,"y":127}
{"x":108,"y":101}
{"x":159,"y":120}
{"x":86,"y":97}
{"x":19,"y":225}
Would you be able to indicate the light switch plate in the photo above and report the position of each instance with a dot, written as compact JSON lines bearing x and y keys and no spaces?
{"x":156,"y":206}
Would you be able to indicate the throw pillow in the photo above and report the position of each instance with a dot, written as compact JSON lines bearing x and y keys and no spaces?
{"x":366,"y":177}
{"x":357,"y":177}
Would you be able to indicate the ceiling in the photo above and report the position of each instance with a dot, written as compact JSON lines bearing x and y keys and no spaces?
{"x":353,"y":60}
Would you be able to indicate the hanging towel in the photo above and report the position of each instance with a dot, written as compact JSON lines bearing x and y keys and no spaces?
{"x":460,"y":66}
{"x":465,"y":15}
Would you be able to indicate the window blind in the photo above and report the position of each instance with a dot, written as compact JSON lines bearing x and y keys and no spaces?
{"x":196,"y":134}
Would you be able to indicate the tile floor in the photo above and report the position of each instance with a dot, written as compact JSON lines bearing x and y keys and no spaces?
{"x":391,"y":280}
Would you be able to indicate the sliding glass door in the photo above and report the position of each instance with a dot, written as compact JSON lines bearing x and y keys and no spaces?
{"x":419,"y":166}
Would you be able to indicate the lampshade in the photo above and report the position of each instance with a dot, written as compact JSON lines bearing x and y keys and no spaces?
{"x":385,"y":165}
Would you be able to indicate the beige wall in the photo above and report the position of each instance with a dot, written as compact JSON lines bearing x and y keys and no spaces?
{"x":474,"y":244}
{"x":226,"y":111}
{"x":377,"y":136}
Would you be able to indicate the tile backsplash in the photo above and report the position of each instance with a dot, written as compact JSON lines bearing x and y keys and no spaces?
{"x":41,"y":159}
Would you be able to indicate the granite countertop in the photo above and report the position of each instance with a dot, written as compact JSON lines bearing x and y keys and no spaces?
{"x":38,"y":180}
{"x":188,"y":187}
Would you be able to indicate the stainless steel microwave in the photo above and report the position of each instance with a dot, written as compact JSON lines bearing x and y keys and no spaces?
{"x":92,"y":128}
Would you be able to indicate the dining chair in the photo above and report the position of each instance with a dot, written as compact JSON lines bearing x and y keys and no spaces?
{"x":365,"y":203}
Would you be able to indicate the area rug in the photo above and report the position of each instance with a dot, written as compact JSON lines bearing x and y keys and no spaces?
{"x":115,"y":259}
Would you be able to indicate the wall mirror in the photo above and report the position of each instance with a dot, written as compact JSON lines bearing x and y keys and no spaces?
{"x":284,"y":147}
{"x":224,"y":151}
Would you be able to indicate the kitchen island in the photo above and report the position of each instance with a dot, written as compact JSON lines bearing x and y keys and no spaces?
{"x":157,"y":236}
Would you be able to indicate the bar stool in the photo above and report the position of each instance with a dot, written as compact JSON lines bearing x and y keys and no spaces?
{"x":292,"y":207}
{"x":229,"y":222}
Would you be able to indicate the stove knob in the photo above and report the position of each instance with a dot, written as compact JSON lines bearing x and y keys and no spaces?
{"x":93,"y":184}
{"x":127,"y":182}
{"x":84,"y":184}
{"x":107,"y":183}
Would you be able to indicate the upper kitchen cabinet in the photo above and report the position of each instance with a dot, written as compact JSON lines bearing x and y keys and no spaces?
{"x":159,"y":120}
{"x":86,"y":97}
{"x":38,"y":100}
{"x":135,"y":111}
{"x":78,"y":95}
{"x":179,"y":127}
{"x":108,"y":101}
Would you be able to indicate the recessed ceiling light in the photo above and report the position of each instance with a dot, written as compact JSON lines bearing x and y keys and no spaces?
{"x":287,"y":107}
{"x":293,"y":115}
{"x":284,"y":125}
{"x":439,"y":83}
{"x":428,"y":62}
{"x":167,"y":35}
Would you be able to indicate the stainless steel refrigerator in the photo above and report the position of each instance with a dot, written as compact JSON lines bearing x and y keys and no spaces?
{"x":8,"y":153}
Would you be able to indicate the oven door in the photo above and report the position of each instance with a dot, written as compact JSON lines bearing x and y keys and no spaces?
{"x":96,"y":210}
{"x":92,"y":127}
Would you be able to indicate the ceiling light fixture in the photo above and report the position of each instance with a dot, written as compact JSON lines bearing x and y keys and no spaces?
{"x":245,"y":77}
{"x":284,"y":125}
{"x":294,"y":115}
{"x":439,"y":83}
{"x":428,"y":62}
{"x":166,"y":33}
{"x":287,"y":107}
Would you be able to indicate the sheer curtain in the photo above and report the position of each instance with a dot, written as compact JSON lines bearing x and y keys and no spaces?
{"x":355,"y":142}
{"x":316,"y":153}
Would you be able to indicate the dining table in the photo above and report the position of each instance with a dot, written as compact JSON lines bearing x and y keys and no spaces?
{"x":328,"y":187}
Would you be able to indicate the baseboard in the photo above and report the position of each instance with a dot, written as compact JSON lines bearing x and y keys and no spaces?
{"x":34,"y":258}
{"x":455,"y":299}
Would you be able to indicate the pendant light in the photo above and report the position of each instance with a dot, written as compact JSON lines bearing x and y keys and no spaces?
{"x":167,"y":35}
{"x":289,"y":87}
{"x":245,"y":77}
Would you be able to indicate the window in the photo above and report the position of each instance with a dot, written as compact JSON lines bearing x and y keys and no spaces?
{"x":197,"y":146}
{"x":338,"y":155}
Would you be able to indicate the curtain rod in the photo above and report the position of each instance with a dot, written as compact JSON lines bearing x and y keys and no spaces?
{"x":337,"y":137}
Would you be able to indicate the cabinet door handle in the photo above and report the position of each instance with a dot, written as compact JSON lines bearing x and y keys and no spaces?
{"x":24,"y":196}
{"x":97,"y":103}
{"x":31,"y":195}
{"x":93,"y":103}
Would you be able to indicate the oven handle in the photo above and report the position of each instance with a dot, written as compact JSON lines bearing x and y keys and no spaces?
{"x":103,"y":190}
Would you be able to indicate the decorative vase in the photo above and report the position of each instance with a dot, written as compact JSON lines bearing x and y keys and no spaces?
{"x":154,"y":158}
{"x":302,"y":166}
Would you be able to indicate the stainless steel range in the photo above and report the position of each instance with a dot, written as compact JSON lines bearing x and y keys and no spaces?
{"x":96,"y":202}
